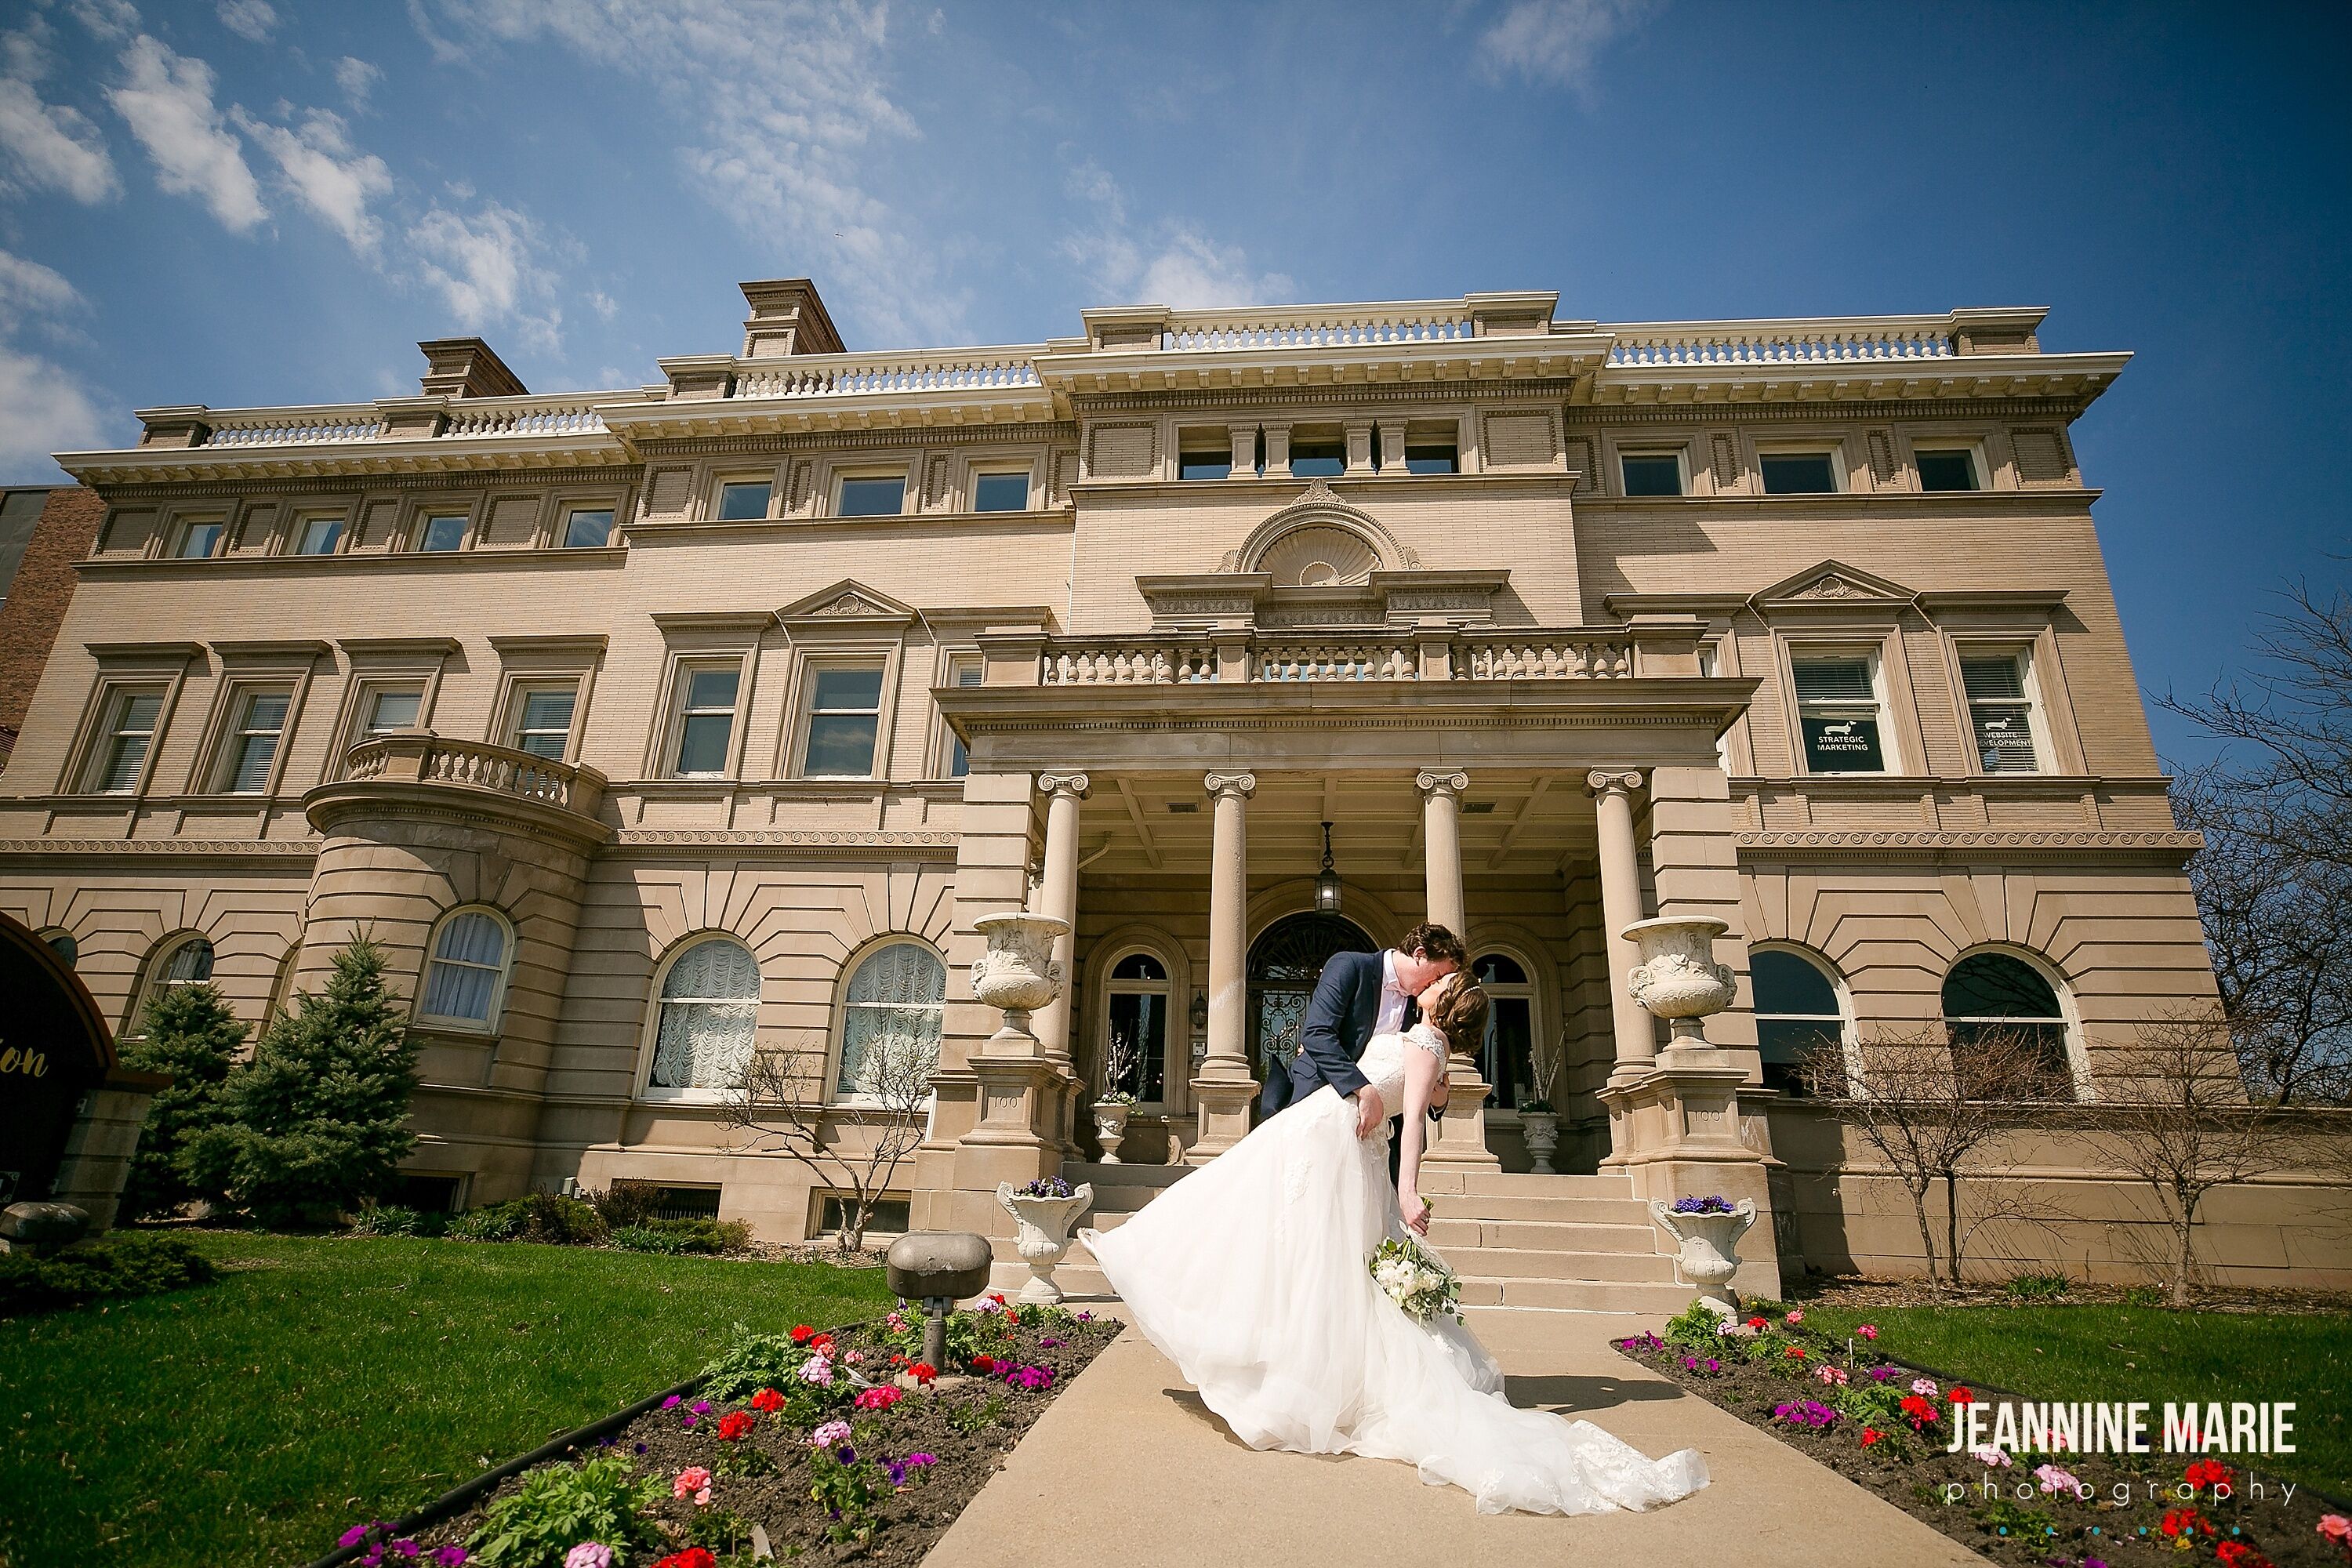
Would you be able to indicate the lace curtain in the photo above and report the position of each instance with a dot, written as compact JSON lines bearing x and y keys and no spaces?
{"x":709,"y":1011}
{"x":893,"y":1007}
{"x":467,"y":963}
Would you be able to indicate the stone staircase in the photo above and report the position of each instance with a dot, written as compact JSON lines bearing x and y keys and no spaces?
{"x":1574,"y":1244}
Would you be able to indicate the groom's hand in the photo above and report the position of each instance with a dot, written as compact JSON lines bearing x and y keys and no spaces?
{"x":1369,"y":1111}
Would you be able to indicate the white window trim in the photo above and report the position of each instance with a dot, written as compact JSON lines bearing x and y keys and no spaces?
{"x":718,"y":483}
{"x":838,"y":1045}
{"x":422,"y":519}
{"x":1973,"y":446}
{"x":851,"y":472}
{"x":566,"y":511}
{"x":2078,"y":1060}
{"x":682,"y":675}
{"x":540,"y":663}
{"x":1532,"y":990}
{"x":652,"y":1092}
{"x":1175,"y":1051}
{"x":2037,"y":712}
{"x":521,"y":690}
{"x":151,"y":982}
{"x":1831,"y":446}
{"x":1680,"y":453}
{"x":113,"y":697}
{"x":374,"y":664}
{"x":1874,"y":649}
{"x":300,"y":532}
{"x":804,"y":714}
{"x":175,"y":538}
{"x":1849,"y":1033}
{"x":435,"y":1022}
{"x":953,"y":662}
{"x":983,"y":469}
{"x":701,"y":640}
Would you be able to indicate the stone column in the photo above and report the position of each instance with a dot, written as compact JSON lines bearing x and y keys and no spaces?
{"x":1223,"y":1090}
{"x":1244,"y":442}
{"x":1621,"y":906}
{"x":1057,"y":895}
{"x":1277,"y":451}
{"x":1391,"y":434}
{"x":1459,"y":1140}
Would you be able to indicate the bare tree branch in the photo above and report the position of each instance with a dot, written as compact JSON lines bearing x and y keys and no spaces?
{"x":778,"y":1104}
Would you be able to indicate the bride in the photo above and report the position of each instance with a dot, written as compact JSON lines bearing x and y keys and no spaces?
{"x":1251,"y":1275}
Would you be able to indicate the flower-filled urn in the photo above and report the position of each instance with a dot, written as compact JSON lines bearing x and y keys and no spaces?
{"x":1017,"y":972}
{"x":1678,"y":979}
{"x":1043,"y":1213}
{"x":1709,"y":1230}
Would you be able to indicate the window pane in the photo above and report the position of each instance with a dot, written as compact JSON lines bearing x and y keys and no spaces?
{"x":1653,"y":476}
{"x":2004,"y":737}
{"x":444,"y":533}
{"x":712,"y":687}
{"x":1798,"y":474}
{"x":1205,"y":465}
{"x":1947,"y":471}
{"x":394,"y":710}
{"x":855,"y":689}
{"x":1498,"y":969}
{"x":473,"y":939}
{"x":872,"y":497}
{"x":1995,"y":985}
{"x":190,"y":963}
{"x":893,"y":1005}
{"x":1139,"y":967}
{"x":709,"y":1014}
{"x":1835,"y":680}
{"x":743,"y":501}
{"x":702,"y":743}
{"x":840,"y":745}
{"x":1993,"y":677}
{"x":545,"y":727}
{"x":459,"y":991}
{"x":1787,"y":984}
{"x":1140,"y":1021}
{"x":1433,"y":459}
{"x":200,"y":541}
{"x":588,"y":530}
{"x":1317,"y":459}
{"x":320,"y":534}
{"x":1505,"y":1058}
{"x":1001,"y":492}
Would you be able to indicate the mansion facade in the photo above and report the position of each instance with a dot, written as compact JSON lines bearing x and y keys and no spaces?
{"x":646,"y":729}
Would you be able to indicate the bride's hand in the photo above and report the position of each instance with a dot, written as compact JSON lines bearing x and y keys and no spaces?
{"x":1417,"y":1213}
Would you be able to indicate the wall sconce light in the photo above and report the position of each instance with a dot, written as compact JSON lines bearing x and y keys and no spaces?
{"x":1200,"y":1011}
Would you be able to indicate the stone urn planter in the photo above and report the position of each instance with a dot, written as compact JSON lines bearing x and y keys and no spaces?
{"x":1017,"y":972}
{"x":1110,"y":1126}
{"x":1541,"y":1129}
{"x":1678,"y":979}
{"x":1044,"y":1235}
{"x":1710,"y":1247}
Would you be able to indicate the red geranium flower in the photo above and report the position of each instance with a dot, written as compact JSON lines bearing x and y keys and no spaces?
{"x":997,"y":1296}
{"x":2185,"y":1521}
{"x":1797,"y":1350}
{"x":734,"y":1424}
{"x":822,"y":1345}
{"x":802,"y":1333}
{"x":898,"y":1360}
{"x":922,"y":1372}
{"x":1959,"y":1393}
{"x":1870,"y":1435}
{"x":983,"y":1363}
{"x":2206,"y":1473}
{"x":2238,"y":1554}
{"x":1757,"y":1323}
{"x":692,"y":1557}
{"x":1922,"y":1413}
{"x":767,"y":1400}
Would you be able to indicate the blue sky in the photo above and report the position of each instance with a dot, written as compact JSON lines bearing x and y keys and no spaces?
{"x":242,"y":201}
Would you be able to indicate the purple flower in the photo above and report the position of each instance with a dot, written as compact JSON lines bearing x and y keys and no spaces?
{"x":1048,"y":1344}
{"x":692,"y":1420}
{"x":673,"y":1401}
{"x":1713,"y":1364}
{"x":845,"y":1454}
{"x":449,"y":1557}
{"x":922,"y":1458}
{"x":357,"y":1533}
{"x":1881,"y":1374}
{"x":702,"y":1408}
{"x":641,"y":1447}
{"x":405,"y":1548}
{"x":1086,"y":1317}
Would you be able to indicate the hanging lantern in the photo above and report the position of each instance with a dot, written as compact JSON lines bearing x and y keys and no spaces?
{"x":1326,"y":881}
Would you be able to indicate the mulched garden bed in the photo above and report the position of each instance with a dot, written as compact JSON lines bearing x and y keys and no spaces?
{"x":1884,"y":1426}
{"x":840,"y":1446}
{"x":1864,"y":1295}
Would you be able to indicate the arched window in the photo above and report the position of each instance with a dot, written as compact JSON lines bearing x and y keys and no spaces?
{"x":1992,"y":1001}
{"x":62,"y":943}
{"x":709,"y":1011}
{"x":1138,"y":1028}
{"x":1506,"y":1059}
{"x":893,"y":1004}
{"x":1798,"y":1018}
{"x":466,"y":980}
{"x":181,"y":961}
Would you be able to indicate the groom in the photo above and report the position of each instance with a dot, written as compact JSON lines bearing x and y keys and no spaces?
{"x":1359,"y":996}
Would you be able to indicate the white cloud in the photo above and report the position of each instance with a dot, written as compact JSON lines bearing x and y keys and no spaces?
{"x":112,"y":20}
{"x":1555,"y":40}
{"x":1163,"y":263}
{"x":325,"y":172}
{"x":788,"y":104}
{"x":604,"y":304}
{"x":27,"y":288}
{"x":43,"y":409}
{"x":50,"y":146}
{"x":486,"y":267}
{"x":357,"y":79}
{"x":168,"y":100}
{"x":251,"y":19}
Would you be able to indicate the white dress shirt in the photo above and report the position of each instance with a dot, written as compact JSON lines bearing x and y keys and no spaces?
{"x":1390,"y":1019}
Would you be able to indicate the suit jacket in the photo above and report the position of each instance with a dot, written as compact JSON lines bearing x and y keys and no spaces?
{"x":1339,"y":1017}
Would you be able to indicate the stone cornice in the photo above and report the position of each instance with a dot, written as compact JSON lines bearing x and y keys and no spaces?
{"x":365,"y":561}
{"x":1585,"y":415}
{"x":2042,"y":501}
{"x":182,"y":464}
{"x":813,"y":842}
{"x":2167,"y":846}
{"x":1045,"y":431}
{"x":1680,"y":702}
{"x":1259,"y":488}
{"x":774,"y":526}
{"x":1324,"y":394}
{"x":269,"y":848}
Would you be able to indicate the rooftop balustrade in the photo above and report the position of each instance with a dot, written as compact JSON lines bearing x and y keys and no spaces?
{"x":1264,"y":658}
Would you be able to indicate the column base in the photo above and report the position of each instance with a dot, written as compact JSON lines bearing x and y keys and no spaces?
{"x":1676,"y":1132}
{"x":1460,"y":1144}
{"x":1224,"y":1107}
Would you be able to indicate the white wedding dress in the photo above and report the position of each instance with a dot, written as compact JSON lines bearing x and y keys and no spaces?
{"x":1251,"y":1275}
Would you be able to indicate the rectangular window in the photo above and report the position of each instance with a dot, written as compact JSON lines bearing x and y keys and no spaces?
{"x":844,"y":714}
{"x":443,"y":532}
{"x":390,"y":711}
{"x":588,"y":528}
{"x":1205,"y":463}
{"x":1318,"y":456}
{"x":1652,"y":473}
{"x":201,"y":540}
{"x":744,"y":501}
{"x":1954,"y":469}
{"x":1001,"y":492}
{"x":319,"y":536}
{"x":1430,"y":457}
{"x":2001,"y":713}
{"x":543,"y":722}
{"x":1837,"y":709}
{"x":706,"y":721}
{"x":1138,"y":1021}
{"x":253,"y":747}
{"x":967,"y":673}
{"x":1799,"y":474}
{"x":884,"y":497}
{"x":131,"y":717}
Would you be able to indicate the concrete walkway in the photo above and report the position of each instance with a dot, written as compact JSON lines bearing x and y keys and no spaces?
{"x":1130,"y":1468}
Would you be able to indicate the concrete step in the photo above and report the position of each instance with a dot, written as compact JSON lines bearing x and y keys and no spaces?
{"x":1564,"y":1236}
{"x":1504,"y":1263}
{"x":1576,"y":1295}
{"x":1523,"y":1184}
{"x":1545,"y":1210}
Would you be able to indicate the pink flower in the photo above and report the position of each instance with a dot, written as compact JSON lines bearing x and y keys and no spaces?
{"x":816,"y":1370}
{"x":1866,"y":1331}
{"x":1831,"y":1374}
{"x":1794,"y":1318}
{"x":694,"y":1481}
{"x":2335,"y":1528}
{"x":832,"y":1432}
{"x":589,"y":1554}
{"x":1925,"y":1387}
{"x":854,"y":1358}
{"x":1996,"y":1459}
{"x":2056,"y":1480}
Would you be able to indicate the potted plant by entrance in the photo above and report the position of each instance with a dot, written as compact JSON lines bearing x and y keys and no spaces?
{"x":1709,"y":1229}
{"x":1538,"y":1122}
{"x":1116,"y":1101}
{"x":1044,"y":1210}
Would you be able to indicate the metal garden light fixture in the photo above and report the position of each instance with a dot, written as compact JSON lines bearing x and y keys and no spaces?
{"x":1326,"y":881}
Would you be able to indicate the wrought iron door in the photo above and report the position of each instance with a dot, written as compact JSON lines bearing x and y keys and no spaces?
{"x":1284,"y":965}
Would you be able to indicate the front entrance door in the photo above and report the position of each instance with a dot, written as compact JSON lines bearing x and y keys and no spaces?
{"x":1284,"y":965}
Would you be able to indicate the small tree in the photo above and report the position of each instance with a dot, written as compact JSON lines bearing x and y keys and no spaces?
{"x":2173,"y":1112}
{"x":778,"y":1102}
{"x":318,"y":1120}
{"x":189,"y":1032}
{"x":1926,"y":1103}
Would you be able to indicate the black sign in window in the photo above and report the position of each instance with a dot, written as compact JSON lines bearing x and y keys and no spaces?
{"x":1842,"y":746}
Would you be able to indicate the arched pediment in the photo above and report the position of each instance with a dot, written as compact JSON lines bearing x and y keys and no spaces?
{"x":1327,"y":521}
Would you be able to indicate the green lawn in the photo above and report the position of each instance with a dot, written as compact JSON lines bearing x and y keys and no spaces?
{"x":2107,"y":1353}
{"x":329,"y":1380}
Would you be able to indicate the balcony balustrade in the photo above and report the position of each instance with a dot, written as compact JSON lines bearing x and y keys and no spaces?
{"x":1276,"y":658}
{"x":421,"y":757}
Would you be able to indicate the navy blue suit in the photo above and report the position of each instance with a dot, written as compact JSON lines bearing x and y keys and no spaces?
{"x":1339,"y":1019}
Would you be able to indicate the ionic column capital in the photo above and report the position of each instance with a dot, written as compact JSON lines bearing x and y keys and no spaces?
{"x":1431,"y":784}
{"x":1075,"y":784}
{"x":1240,"y":787}
{"x":1602,"y":781}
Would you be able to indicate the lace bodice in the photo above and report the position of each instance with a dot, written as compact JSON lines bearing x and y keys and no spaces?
{"x":1384,"y":1058}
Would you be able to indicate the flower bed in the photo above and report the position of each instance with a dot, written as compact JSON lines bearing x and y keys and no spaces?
{"x":1884,"y":1426}
{"x":829,"y":1447}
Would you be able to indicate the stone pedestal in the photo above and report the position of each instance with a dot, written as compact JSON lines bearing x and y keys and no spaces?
{"x":104,"y":1138}
{"x":1675,"y":1131}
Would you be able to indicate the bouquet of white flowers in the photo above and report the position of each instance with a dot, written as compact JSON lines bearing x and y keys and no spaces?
{"x":1416,"y":1280}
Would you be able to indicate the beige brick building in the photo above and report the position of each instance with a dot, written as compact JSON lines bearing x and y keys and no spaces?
{"x":647,"y":726}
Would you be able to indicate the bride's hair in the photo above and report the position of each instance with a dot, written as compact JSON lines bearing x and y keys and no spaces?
{"x":1461,"y":1017}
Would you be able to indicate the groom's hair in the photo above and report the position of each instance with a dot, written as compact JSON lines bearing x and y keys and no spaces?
{"x":1433,"y":941}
